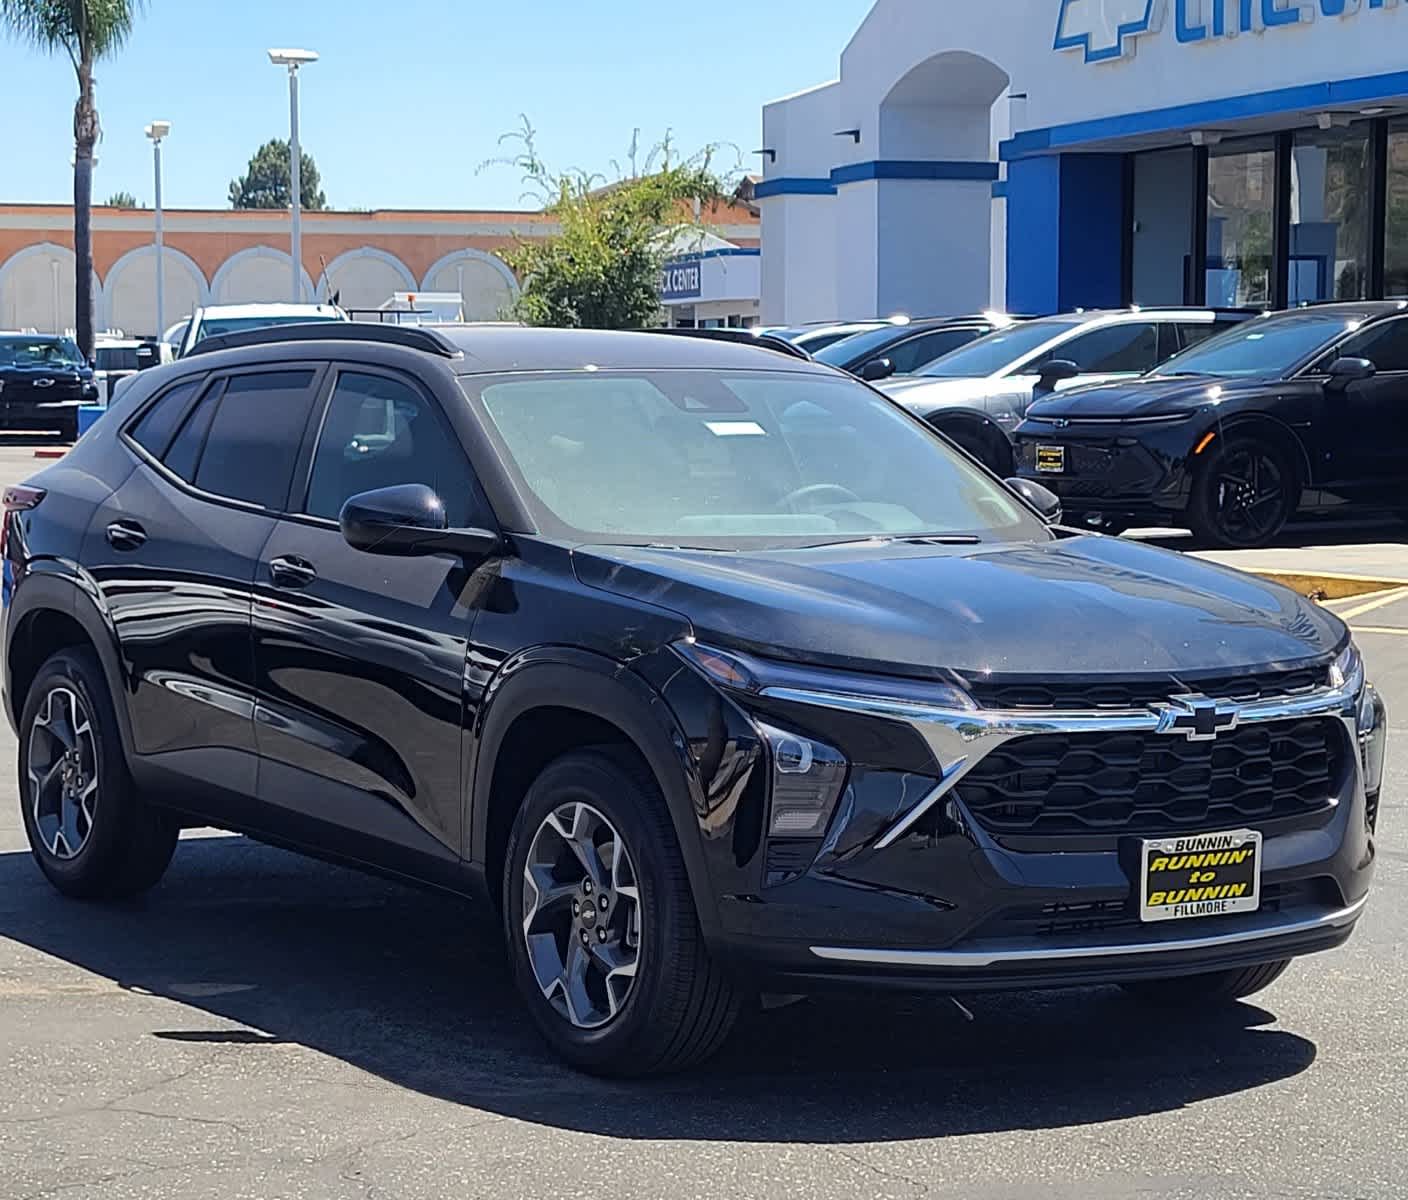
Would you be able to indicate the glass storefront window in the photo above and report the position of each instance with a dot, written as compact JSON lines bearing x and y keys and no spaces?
{"x":1396,"y":254}
{"x":1162,"y":245}
{"x":1241,"y":214}
{"x":1331,"y":193}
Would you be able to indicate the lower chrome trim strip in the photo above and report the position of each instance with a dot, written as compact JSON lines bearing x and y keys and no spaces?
{"x":980,"y":956}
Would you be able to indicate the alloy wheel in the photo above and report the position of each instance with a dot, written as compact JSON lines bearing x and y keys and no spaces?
{"x":1250,"y":495}
{"x":582,"y":915}
{"x":63,"y":773}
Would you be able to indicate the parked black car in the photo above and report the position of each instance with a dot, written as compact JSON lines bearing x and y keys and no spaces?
{"x":712,"y":670}
{"x":902,"y":348}
{"x":43,"y":382}
{"x":1299,"y":411}
{"x":978,"y":394}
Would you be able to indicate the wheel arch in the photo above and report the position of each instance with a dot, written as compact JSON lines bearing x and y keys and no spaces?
{"x":52,"y":612}
{"x":1265,"y":425}
{"x":945,"y":420}
{"x":545,"y":703}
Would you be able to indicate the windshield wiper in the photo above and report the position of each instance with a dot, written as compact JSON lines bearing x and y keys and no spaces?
{"x":928,"y":539}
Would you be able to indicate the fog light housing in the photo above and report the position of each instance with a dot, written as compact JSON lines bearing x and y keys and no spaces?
{"x":1372,"y":721}
{"x":807,"y":779}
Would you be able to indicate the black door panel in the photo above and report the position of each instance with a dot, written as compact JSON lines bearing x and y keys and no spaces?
{"x":176,"y":586}
{"x":361,"y":657}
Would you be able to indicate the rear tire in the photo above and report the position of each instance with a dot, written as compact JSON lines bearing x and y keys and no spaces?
{"x":89,"y":831}
{"x":646,"y":997}
{"x":1243,"y":494}
{"x":1216,"y":987}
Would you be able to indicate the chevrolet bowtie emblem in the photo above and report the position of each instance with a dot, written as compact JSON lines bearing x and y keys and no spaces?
{"x":43,"y":383}
{"x":1198,"y":718}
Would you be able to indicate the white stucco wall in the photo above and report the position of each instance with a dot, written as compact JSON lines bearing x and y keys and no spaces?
{"x":918,"y":81}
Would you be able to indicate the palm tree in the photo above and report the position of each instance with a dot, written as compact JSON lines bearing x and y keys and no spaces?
{"x":85,"y":30}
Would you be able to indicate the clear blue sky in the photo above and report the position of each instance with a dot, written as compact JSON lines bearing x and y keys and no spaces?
{"x":410,"y":96}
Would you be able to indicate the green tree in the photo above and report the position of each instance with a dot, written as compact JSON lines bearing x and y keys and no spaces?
{"x":265,"y":184}
{"x":602,"y":271}
{"x":123,"y":200}
{"x":87,"y":31}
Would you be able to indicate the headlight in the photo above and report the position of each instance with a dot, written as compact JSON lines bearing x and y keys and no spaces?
{"x":741,"y":672}
{"x":807,"y":778}
{"x":1347,"y":671}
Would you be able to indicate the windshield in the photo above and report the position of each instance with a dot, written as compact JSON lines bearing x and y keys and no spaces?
{"x":215,"y":326}
{"x":998,"y":351}
{"x":732,"y":460}
{"x":1270,"y":347}
{"x":39,"y":352}
{"x":858,"y":345}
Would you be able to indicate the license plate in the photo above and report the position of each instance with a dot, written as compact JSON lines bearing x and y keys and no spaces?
{"x":1205,"y":875}
{"x":1051,"y":459}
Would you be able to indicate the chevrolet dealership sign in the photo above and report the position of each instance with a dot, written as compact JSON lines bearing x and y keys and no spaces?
{"x":1109,"y":30}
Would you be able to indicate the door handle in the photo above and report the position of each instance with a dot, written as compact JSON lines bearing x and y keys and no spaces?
{"x":126,"y":535}
{"x":290,"y":571}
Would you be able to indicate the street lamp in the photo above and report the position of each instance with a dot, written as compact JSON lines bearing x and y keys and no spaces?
{"x":158,"y":131}
{"x":293,"y":59}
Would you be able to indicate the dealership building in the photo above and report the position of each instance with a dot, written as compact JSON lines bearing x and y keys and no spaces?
{"x":1043,"y":155}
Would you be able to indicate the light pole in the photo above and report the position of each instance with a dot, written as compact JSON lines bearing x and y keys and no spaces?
{"x":159,"y":131}
{"x":293,"y":60}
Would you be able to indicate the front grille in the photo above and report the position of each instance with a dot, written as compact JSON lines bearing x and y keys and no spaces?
{"x":1155,"y":785}
{"x":1079,"y":694}
{"x":1371,"y":812}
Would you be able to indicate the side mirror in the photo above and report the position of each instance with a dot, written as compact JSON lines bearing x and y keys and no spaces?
{"x":408,"y":519}
{"x":148,"y":355}
{"x":1055,"y":371}
{"x":1044,"y":500}
{"x":1344,"y":371}
{"x":877,"y":369}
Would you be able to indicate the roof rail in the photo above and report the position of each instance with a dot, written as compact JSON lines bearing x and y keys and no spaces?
{"x":764,"y":341}
{"x":412,"y":337}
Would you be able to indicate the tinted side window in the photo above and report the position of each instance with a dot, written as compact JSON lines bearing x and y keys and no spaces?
{"x":156,"y":427}
{"x":184,"y":455}
{"x":1386,"y":346}
{"x":1116,"y":348}
{"x":1191,"y":335}
{"x":918,"y":352}
{"x":254,"y":437}
{"x":380,"y":432}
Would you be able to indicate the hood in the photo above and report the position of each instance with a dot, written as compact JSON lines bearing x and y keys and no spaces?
{"x":1151,"y":396}
{"x":925,"y":394}
{"x":1076,"y":607}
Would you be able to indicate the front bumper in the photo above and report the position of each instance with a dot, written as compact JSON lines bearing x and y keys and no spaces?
{"x":909,"y":890}
{"x":1134,"y":471}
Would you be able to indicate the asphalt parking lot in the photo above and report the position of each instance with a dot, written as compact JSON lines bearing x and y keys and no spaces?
{"x":261,"y":1026}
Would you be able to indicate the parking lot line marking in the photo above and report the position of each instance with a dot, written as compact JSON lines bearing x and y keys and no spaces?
{"x":1370,"y":605}
{"x":1380,"y":629}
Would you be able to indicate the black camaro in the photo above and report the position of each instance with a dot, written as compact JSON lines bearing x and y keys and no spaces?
{"x":709,"y":670}
{"x":1297,"y":411}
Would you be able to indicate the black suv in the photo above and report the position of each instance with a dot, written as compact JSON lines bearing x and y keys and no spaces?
{"x":715,"y":671}
{"x":43,"y":382}
{"x":1301,"y":411}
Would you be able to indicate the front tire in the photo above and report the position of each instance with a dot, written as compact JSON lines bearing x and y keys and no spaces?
{"x":1217,"y":987}
{"x":990,"y":448}
{"x":601,"y":926}
{"x":1243,"y":494}
{"x":88,"y":830}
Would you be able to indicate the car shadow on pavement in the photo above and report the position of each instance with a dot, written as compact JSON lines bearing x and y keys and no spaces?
{"x":414,"y":988}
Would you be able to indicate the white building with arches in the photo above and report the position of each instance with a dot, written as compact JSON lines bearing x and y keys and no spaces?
{"x":1048,"y":154}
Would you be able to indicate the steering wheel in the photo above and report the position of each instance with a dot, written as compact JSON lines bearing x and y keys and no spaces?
{"x":814,"y":490}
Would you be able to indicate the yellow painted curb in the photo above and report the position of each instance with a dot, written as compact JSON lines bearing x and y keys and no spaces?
{"x":1330,"y":587}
